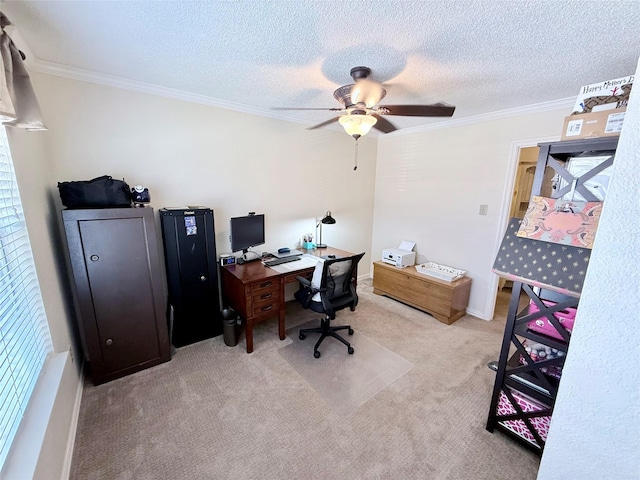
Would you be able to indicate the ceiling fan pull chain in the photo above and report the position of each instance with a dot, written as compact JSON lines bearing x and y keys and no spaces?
{"x":355,"y":166}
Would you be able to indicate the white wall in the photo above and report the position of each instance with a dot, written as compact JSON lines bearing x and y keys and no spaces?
{"x":33,"y":172}
{"x":41,"y":449}
{"x":596,"y":421}
{"x":190,"y":154}
{"x":430,"y":186}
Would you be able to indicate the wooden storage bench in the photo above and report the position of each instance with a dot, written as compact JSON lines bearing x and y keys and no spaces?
{"x":446,"y":301}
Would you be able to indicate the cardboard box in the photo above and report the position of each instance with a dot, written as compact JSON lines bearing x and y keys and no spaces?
{"x":607,"y":123}
{"x":605,"y":95}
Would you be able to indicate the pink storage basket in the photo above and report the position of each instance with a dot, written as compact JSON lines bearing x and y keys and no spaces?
{"x":566,"y":317}
{"x":519,"y":427}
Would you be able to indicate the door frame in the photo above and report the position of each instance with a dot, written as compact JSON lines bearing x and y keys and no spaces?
{"x":507,"y":195}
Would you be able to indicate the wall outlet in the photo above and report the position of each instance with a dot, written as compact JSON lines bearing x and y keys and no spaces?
{"x":484,"y":209}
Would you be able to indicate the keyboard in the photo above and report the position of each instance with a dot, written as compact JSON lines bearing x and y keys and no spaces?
{"x":278,"y":261}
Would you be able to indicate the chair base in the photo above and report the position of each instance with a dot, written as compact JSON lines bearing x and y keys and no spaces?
{"x":326,"y":330}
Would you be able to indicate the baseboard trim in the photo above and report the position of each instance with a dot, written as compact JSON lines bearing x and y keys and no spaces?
{"x":73,"y":428}
{"x":478,"y":314}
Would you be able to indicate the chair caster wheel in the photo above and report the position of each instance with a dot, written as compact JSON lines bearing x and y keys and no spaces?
{"x":302,"y":336}
{"x":350,"y":350}
{"x":316,"y":354}
{"x":351,"y":331}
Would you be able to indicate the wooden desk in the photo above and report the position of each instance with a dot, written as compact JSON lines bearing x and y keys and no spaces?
{"x":257,"y":292}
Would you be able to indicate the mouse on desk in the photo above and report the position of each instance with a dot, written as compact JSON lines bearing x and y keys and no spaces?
{"x":284,"y":250}
{"x":331,"y":256}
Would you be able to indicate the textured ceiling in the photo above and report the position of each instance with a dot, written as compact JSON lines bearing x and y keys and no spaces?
{"x":481,"y":56}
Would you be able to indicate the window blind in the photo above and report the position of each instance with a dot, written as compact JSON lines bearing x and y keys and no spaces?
{"x":25,"y":341}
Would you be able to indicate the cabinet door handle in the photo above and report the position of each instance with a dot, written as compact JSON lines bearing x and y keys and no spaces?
{"x":203,"y":278}
{"x":265,"y":284}
{"x":94,"y":258}
{"x":267,"y":308}
{"x":266,"y":295}
{"x":109,"y":341}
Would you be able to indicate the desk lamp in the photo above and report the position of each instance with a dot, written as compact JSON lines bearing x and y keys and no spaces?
{"x":327,"y":220}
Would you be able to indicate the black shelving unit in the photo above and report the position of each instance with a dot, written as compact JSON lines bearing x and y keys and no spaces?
{"x":524,"y":394}
{"x":516,"y":380}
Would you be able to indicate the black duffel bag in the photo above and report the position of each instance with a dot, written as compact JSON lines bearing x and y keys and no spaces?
{"x":101,"y":192}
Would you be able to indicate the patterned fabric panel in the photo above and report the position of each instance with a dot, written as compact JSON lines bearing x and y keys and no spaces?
{"x":547,"y":220}
{"x":561,"y":268}
{"x":519,"y":427}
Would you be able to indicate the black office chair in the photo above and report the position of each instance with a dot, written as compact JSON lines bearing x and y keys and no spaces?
{"x":332,"y":288}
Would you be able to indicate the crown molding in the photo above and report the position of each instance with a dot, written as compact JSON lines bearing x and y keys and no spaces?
{"x":563,"y":103}
{"x":51,"y":68}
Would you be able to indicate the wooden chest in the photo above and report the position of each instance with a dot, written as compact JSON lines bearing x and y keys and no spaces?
{"x":446,"y":301}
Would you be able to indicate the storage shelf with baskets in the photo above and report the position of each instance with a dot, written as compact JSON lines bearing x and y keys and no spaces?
{"x":526,"y":385}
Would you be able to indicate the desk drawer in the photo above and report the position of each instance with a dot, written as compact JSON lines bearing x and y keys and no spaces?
{"x":265,"y":286}
{"x":290,"y":278}
{"x":265,"y":295}
{"x":265,"y":298}
{"x":265,"y":307}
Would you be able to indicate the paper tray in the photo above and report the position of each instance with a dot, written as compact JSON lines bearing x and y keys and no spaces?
{"x":442,"y":272}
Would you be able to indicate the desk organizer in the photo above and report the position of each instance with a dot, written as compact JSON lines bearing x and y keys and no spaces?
{"x":448,"y":274}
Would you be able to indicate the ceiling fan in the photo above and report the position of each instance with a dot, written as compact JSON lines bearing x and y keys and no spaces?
{"x":360,"y":109}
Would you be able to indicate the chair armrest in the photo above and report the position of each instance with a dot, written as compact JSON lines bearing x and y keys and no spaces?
{"x":307,"y":287}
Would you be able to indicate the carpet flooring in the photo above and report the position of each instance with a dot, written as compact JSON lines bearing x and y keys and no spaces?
{"x":216,"y":412}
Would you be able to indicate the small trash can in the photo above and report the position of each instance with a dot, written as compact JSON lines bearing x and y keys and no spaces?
{"x":230,"y":327}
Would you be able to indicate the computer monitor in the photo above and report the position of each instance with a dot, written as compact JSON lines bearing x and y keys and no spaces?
{"x":247,"y":232}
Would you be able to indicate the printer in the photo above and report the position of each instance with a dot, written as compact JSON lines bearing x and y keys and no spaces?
{"x":403,"y":256}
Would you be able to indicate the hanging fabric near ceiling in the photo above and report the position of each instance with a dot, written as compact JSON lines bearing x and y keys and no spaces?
{"x":18,"y":103}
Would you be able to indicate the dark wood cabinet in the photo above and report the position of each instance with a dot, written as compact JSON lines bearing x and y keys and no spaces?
{"x":117,"y":287}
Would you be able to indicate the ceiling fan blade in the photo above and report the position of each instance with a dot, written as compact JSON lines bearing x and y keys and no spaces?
{"x":303,"y":108}
{"x":384,"y":125}
{"x":334,"y":119}
{"x":435,"y":110}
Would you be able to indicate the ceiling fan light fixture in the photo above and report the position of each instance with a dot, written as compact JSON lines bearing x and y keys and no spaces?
{"x":357,"y":125}
{"x":367,"y":92}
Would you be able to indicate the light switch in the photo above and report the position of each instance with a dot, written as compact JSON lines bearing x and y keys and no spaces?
{"x":484,"y":209}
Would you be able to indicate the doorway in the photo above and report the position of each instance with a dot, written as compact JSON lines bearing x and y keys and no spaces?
{"x":525,"y":170}
{"x":523,"y":155}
